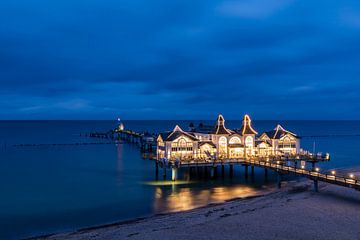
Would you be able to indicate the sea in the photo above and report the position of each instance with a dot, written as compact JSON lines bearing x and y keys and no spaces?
{"x":54,"y":178}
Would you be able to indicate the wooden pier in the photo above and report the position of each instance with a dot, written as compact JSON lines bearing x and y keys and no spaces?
{"x":280,"y":165}
{"x":145,"y":140}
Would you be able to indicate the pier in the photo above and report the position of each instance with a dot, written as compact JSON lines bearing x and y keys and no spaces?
{"x":206,"y":148}
{"x":146,"y":141}
{"x":280,"y":166}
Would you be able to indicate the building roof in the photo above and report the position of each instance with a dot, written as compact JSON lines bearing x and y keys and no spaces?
{"x":176,"y":133}
{"x":220,"y":126}
{"x":257,"y":142}
{"x":246,"y":127}
{"x":279,"y":132}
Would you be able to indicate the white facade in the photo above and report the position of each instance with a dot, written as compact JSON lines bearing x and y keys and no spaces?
{"x":223,"y":143}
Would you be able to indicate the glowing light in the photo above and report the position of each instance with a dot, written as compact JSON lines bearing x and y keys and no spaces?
{"x":351,"y":175}
{"x":333,"y":172}
{"x":247,"y":121}
{"x":317,"y":169}
{"x":302,"y":167}
{"x":277,"y":162}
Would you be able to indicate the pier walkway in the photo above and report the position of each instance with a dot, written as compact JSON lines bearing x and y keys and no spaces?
{"x":281,"y":166}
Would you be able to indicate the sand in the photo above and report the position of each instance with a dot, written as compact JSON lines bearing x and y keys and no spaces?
{"x":293,"y":212}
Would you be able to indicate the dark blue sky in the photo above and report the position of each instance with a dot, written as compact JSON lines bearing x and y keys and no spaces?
{"x":178,"y":59}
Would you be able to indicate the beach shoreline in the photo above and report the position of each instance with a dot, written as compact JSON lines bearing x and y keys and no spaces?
{"x":293,"y":212}
{"x":266,"y":190}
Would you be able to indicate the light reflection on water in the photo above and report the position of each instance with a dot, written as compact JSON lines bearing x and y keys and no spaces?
{"x":176,"y":199}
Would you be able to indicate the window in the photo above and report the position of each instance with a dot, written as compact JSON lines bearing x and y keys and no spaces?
{"x":249,"y":141}
{"x":235,"y":140}
{"x":222,"y":146}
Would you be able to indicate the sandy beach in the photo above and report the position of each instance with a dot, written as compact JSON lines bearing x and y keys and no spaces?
{"x":293,"y":212}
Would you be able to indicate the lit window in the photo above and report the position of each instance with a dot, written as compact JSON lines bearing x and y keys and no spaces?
{"x":249,"y":141}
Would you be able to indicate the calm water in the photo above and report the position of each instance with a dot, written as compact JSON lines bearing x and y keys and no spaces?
{"x":47,"y":189}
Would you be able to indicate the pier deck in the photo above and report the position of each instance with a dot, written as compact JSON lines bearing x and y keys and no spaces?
{"x":280,"y":166}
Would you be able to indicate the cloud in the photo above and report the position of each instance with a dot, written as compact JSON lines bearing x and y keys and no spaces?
{"x":253,"y":9}
{"x":178,"y":59}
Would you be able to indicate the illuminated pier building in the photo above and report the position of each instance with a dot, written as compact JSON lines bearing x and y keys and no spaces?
{"x":203,"y":142}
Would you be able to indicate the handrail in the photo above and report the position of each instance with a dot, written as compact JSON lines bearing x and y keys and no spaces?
{"x":276,"y":165}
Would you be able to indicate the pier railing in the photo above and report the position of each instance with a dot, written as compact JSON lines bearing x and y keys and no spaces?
{"x":280,"y":165}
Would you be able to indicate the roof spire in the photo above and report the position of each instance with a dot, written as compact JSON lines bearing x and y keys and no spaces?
{"x":246,"y":127}
{"x":220,"y":126}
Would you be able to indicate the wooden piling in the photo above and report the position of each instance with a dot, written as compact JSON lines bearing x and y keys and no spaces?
{"x":316,"y":185}
{"x":279,"y":177}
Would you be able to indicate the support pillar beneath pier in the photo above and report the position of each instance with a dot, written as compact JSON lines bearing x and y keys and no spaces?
{"x":222,"y":171}
{"x":279,"y":177}
{"x":231,"y":170}
{"x":266,"y":174}
{"x":173,"y":174}
{"x":316,"y":185}
{"x":212,"y":172}
{"x":157,"y":170}
{"x":313,"y":166}
{"x":246,"y":171}
{"x":252,"y":171}
{"x":164,"y":174}
{"x":205,"y":172}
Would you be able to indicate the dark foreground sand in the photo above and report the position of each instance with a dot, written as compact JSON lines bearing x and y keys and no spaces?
{"x":294,"y":212}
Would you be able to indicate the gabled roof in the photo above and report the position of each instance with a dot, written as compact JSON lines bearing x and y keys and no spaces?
{"x":257,"y":142}
{"x":176,"y":133}
{"x":264,"y":135}
{"x":220,"y":126}
{"x":279,"y":132}
{"x":246,"y":127}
